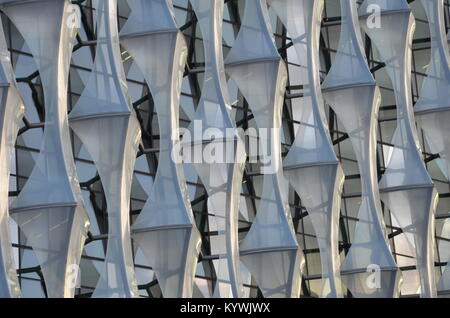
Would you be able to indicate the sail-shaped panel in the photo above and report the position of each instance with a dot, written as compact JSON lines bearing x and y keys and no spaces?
{"x":105,"y":122}
{"x":311,"y":165}
{"x":11,"y":112}
{"x":218,"y":152}
{"x":351,"y":91}
{"x":432,"y":110}
{"x":165,"y":229}
{"x":49,"y":209}
{"x":406,"y":188}
{"x":270,"y":250}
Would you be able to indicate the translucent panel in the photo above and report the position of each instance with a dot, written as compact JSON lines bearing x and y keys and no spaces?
{"x":46,"y":230}
{"x":49,"y":208}
{"x":433,"y":107}
{"x":214,"y":107}
{"x":405,"y":165}
{"x":373,"y":284}
{"x":106,"y":124}
{"x":436,"y":128}
{"x":213,"y":132}
{"x":405,"y":168}
{"x":276,"y":272}
{"x":252,"y":41}
{"x":165,"y":229}
{"x":260,"y":74}
{"x":311,"y":165}
{"x":175,"y":270}
{"x":106,"y":87}
{"x":419,"y":228}
{"x":350,"y":90}
{"x":148,"y":16}
{"x":271,"y":227}
{"x":7,"y":76}
{"x":322,"y":201}
{"x":223,"y":184}
{"x":448,"y":37}
{"x":435,"y":93}
{"x":11,"y":112}
{"x":444,"y":284}
{"x":349,"y":66}
{"x":357,"y":107}
{"x":312,"y":143}
{"x":114,"y":160}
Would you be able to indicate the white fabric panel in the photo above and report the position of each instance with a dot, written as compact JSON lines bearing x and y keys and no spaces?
{"x":106,"y":124}
{"x":165,"y":229}
{"x":311,"y":165}
{"x":49,"y":209}
{"x":406,"y":178}
{"x":11,"y":112}
{"x":351,"y":91}
{"x":221,"y":177}
{"x":270,"y":250}
{"x":432,"y":110}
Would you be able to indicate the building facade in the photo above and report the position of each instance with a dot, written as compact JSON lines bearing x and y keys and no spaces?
{"x":237,"y":148}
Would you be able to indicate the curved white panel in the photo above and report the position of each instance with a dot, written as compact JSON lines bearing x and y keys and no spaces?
{"x":106,"y":124}
{"x":405,"y":187}
{"x":11,"y":112}
{"x":432,"y":110}
{"x":213,"y":131}
{"x":311,"y":165}
{"x":434,"y":96}
{"x":165,"y":230}
{"x":49,"y":209}
{"x":270,"y":250}
{"x":351,"y":91}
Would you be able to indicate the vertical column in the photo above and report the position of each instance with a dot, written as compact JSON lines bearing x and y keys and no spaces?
{"x":270,"y":249}
{"x":165,"y":229}
{"x":105,"y":122}
{"x":49,"y":209}
{"x":311,"y":165}
{"x":352,"y":92}
{"x":218,"y":152}
{"x":11,"y":111}
{"x":405,"y":187}
{"x":432,"y":110}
